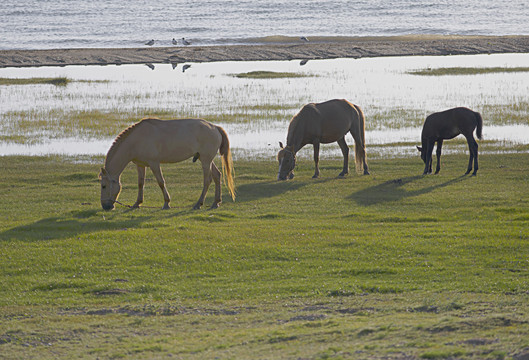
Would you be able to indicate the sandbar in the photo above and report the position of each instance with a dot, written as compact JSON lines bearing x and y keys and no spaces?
{"x":347,"y":47}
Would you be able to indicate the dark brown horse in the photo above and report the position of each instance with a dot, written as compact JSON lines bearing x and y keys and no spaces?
{"x":447,"y":125}
{"x":324,"y":123}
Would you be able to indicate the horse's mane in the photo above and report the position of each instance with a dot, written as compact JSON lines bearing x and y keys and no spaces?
{"x":122,"y":136}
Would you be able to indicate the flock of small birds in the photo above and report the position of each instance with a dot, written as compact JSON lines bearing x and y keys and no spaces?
{"x":174,"y":42}
{"x":186,"y":43}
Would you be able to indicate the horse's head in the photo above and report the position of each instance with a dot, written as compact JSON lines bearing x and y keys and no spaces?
{"x":110,"y":189}
{"x":423,"y":153}
{"x":287,"y":162}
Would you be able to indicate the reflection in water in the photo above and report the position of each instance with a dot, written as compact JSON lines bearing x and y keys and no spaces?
{"x":256,"y":112}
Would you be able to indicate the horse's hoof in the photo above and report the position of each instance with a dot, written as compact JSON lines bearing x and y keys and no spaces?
{"x":366,"y":172}
{"x":166,"y":207}
{"x":135,"y":206}
{"x":196,"y":207}
{"x":315,"y":176}
{"x":214,"y":206}
{"x":342,"y":174}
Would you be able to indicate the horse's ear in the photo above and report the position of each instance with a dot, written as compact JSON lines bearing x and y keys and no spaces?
{"x":419,"y":148}
{"x":280,"y":144}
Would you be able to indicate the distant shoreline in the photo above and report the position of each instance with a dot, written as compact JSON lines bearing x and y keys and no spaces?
{"x":412,"y":45}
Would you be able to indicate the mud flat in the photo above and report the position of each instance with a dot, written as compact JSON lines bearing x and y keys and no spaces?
{"x":347,"y":47}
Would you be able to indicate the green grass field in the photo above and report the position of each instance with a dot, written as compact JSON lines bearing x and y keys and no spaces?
{"x":394,"y":265}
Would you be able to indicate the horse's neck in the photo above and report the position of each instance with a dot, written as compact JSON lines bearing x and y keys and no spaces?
{"x":116,"y":163}
{"x":295,"y":136}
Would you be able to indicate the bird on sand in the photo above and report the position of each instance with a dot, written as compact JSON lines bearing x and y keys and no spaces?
{"x":175,"y":42}
{"x":150,"y":42}
{"x":174,"y":64}
{"x":303,"y":38}
{"x":185,"y":42}
{"x":150,"y":66}
{"x":303,"y":62}
{"x":185,"y":67}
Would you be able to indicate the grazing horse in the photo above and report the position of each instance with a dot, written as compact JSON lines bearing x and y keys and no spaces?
{"x":447,"y":125}
{"x":151,"y":142}
{"x":324,"y":123}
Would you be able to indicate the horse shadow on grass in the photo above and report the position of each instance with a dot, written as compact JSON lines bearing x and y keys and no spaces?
{"x":72,"y":224}
{"x":268,"y":189}
{"x":393,"y":190}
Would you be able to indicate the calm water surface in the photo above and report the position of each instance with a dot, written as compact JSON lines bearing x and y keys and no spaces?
{"x":38,"y":24}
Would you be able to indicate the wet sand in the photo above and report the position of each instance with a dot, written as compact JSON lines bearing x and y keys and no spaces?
{"x":342,"y":48}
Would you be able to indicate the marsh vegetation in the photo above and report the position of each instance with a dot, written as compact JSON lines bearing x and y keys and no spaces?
{"x":269,"y":75}
{"x":468,"y":70}
{"x":99,"y":102}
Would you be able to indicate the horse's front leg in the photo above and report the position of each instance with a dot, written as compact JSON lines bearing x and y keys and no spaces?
{"x":438,"y":153}
{"x":157,"y":171}
{"x":316,"y":159}
{"x":428,"y":157}
{"x":141,"y":184}
{"x":206,"y":169}
{"x":345,"y":153}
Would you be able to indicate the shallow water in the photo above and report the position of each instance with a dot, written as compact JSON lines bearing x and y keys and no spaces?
{"x":37,"y":24}
{"x":395,"y":103}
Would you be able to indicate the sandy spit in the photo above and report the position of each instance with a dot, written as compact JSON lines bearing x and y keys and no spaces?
{"x":344,"y":48}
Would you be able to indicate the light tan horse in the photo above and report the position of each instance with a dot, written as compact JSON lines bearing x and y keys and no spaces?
{"x":324,"y":123}
{"x":152,"y":142}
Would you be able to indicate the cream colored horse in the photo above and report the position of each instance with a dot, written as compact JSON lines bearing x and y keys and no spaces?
{"x":152,"y":142}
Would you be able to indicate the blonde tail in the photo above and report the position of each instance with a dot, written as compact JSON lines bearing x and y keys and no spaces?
{"x":227,"y":163}
{"x":360,"y":146}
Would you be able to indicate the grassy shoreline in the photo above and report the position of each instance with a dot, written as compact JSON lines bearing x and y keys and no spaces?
{"x":393,"y":264}
{"x":467,"y":71}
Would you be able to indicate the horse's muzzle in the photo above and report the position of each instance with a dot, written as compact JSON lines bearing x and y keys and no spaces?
{"x":107,"y":205}
{"x":288,"y":176}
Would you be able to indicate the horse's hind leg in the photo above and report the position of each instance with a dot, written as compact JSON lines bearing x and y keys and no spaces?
{"x":473,"y":149}
{"x":475,"y":157}
{"x":316,"y":160}
{"x":206,"y":169}
{"x":141,"y":183}
{"x":216,"y":178}
{"x":157,"y":171}
{"x":345,"y":153}
{"x":438,"y":153}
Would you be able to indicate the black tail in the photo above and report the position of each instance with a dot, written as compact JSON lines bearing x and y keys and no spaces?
{"x":479,"y":129}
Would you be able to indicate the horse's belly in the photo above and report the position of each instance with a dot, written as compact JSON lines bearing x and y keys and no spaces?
{"x":450,"y":133}
{"x":162,"y":153}
{"x":172,"y":154}
{"x":336,"y":134}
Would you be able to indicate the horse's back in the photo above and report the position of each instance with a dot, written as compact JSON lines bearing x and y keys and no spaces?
{"x":177,"y":140}
{"x":336,"y":117}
